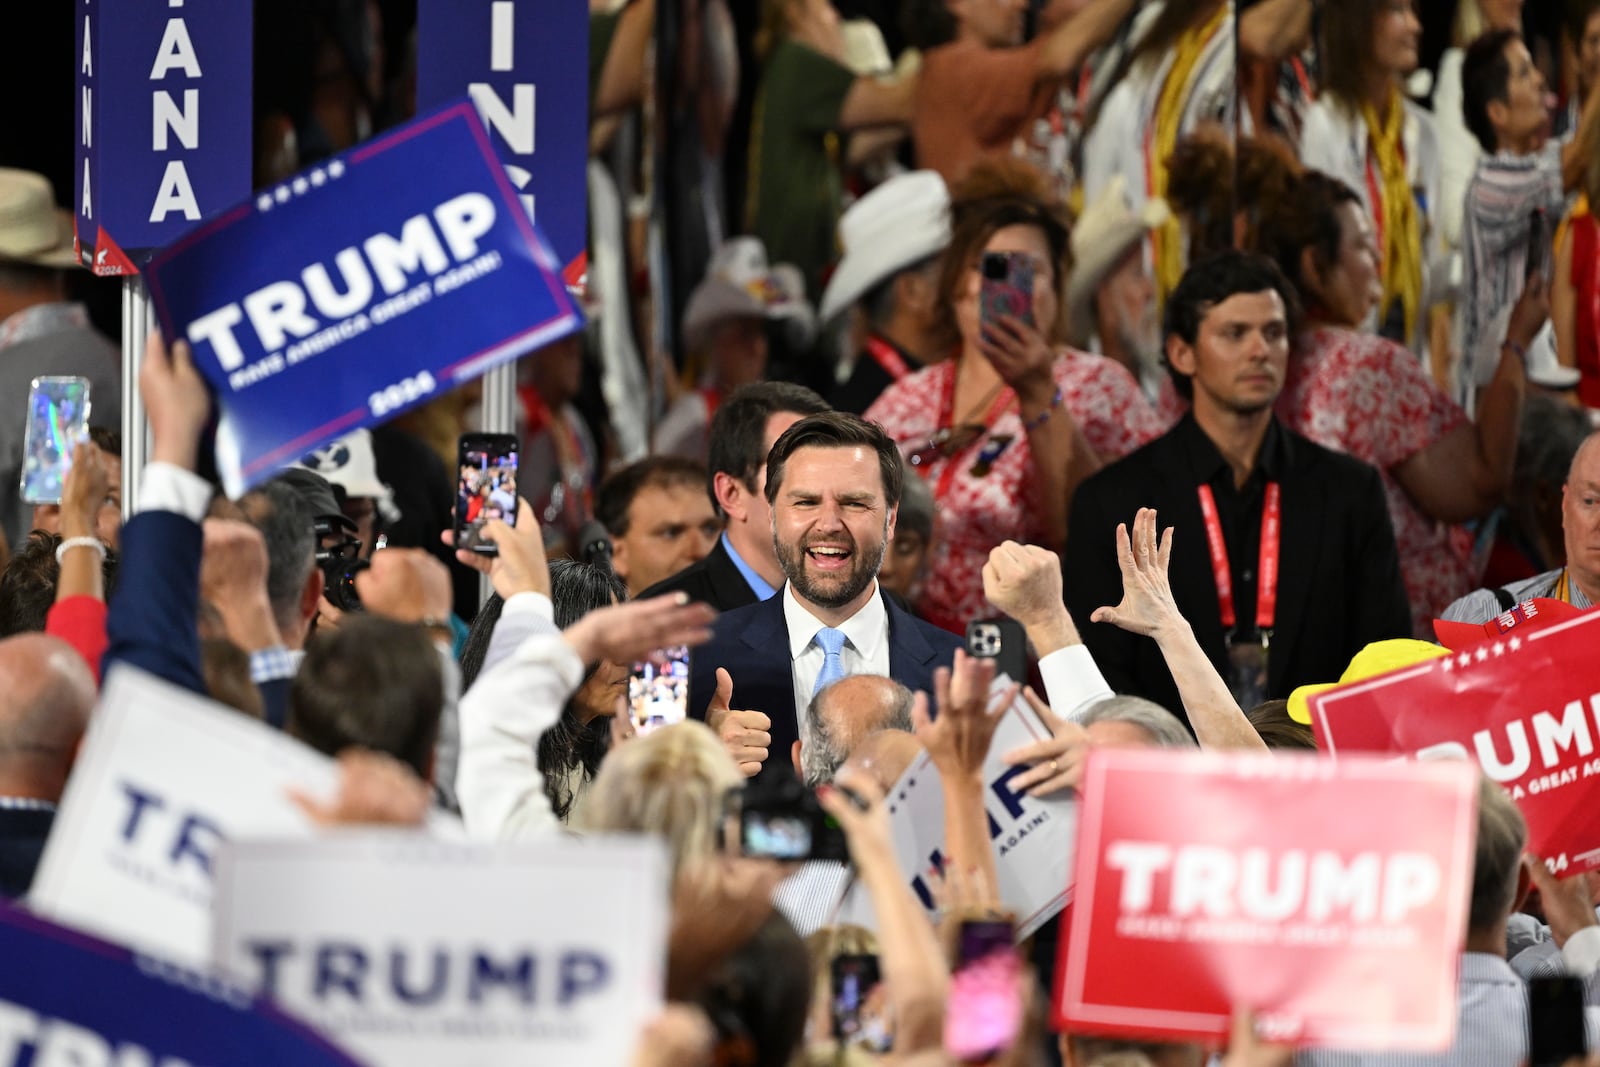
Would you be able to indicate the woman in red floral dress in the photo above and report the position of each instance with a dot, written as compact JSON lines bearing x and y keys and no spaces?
{"x":1373,"y":399}
{"x":1004,"y":431}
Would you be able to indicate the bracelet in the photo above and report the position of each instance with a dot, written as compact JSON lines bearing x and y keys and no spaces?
{"x":1521,"y":353}
{"x":1043,"y":416}
{"x":79,"y":542}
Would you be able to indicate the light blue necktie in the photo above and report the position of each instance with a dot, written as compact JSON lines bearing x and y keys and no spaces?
{"x":832,"y":642}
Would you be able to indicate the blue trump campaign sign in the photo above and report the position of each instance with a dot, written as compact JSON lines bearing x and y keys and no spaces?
{"x":358,"y":289}
{"x":525,"y":65}
{"x":68,"y":998}
{"x":163,"y":123}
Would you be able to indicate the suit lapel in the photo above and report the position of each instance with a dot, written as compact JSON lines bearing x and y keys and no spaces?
{"x":909,"y":652}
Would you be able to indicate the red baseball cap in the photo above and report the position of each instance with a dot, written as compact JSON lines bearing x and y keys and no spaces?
{"x":1532,"y":614}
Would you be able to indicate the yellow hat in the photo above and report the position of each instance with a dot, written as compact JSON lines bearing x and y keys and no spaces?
{"x":1380,"y":657}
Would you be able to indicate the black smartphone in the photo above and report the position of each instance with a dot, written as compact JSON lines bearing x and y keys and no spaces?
{"x":857,"y":1015}
{"x":486,"y":487}
{"x":658,"y":689}
{"x":984,"y":1013}
{"x":1540,"y":253}
{"x":1002,"y":640}
{"x":1555,"y":1021}
{"x":1006,"y":288}
{"x":782,"y":820}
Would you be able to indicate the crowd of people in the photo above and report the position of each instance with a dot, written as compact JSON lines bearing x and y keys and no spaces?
{"x":1299,"y":353}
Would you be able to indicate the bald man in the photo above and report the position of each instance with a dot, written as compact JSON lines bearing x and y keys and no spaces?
{"x":841,"y":717}
{"x":46,"y":693}
{"x":1578,"y":583}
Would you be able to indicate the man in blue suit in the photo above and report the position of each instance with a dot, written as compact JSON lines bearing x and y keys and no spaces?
{"x":833,"y":484}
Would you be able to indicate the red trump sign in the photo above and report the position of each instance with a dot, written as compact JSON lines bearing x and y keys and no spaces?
{"x":1524,"y":708}
{"x":1280,"y":883}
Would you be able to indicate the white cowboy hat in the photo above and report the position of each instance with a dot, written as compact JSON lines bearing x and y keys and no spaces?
{"x":350,"y":463}
{"x":1103,"y":235}
{"x":32,"y":229}
{"x":903,"y":221}
{"x":739,"y":284}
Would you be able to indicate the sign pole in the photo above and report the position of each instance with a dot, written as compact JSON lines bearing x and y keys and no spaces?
{"x":138,"y":318}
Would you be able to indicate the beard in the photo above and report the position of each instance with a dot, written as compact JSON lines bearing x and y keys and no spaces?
{"x":832,"y":590}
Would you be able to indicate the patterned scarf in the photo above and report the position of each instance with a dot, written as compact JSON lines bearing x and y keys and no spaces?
{"x":1170,"y":106}
{"x":1397,"y":211}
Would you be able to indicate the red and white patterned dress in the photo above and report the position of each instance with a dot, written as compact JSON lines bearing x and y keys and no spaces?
{"x":975,"y":512}
{"x":1370,"y":398}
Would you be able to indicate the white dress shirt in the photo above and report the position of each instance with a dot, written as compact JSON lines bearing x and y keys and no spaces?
{"x":866,"y":648}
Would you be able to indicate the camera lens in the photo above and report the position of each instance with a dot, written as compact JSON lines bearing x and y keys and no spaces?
{"x":339,"y":582}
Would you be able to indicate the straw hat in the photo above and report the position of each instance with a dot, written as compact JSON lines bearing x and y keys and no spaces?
{"x":1103,"y":235}
{"x":903,"y":221}
{"x":739,"y":284}
{"x":32,"y":229}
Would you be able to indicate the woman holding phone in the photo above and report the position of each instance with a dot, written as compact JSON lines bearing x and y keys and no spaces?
{"x":1004,"y":432}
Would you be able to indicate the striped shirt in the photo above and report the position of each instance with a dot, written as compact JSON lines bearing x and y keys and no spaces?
{"x":1481,"y":605}
{"x":1505,"y":191}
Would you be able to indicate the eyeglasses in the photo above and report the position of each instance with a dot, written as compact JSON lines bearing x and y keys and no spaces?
{"x":948,"y":442}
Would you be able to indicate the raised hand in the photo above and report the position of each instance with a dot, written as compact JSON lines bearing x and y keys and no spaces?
{"x":1147,"y":607}
{"x":958,"y":739}
{"x":1057,"y":762}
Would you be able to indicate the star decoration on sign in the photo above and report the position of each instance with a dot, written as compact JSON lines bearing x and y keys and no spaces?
{"x":1448,"y":664}
{"x":318,"y":177}
{"x":1482,"y":654}
{"x":335,"y":169}
{"x":281,"y":194}
{"x":1514,"y":644}
{"x":264,"y":202}
{"x":1464,"y":660}
{"x":300,"y":186}
{"x":1499,"y":648}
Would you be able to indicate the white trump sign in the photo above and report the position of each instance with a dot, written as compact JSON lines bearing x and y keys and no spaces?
{"x":410,"y":951}
{"x":163,"y":778}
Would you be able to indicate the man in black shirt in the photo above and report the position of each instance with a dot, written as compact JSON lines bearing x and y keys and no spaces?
{"x":1284,"y":561}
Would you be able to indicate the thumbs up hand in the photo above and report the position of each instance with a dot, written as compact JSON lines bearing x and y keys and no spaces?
{"x":745,"y":734}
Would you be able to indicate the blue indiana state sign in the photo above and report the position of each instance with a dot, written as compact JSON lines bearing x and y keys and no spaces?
{"x":162,"y":114}
{"x":359,"y":289}
{"x":525,"y":66}
{"x":69,"y":998}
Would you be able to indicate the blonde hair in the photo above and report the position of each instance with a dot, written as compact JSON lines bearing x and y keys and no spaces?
{"x":829,"y":942}
{"x":671,"y":783}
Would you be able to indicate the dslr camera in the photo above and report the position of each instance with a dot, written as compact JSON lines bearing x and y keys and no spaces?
{"x":782,"y":820}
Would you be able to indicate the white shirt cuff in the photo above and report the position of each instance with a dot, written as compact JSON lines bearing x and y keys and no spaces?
{"x":1582,"y":952}
{"x":536,"y":604}
{"x":1072,"y":681}
{"x":167,"y":487}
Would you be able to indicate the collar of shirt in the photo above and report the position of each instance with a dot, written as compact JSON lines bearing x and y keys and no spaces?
{"x":758,"y":585}
{"x":1208,"y":465}
{"x":25,"y":804}
{"x":41,"y":319}
{"x":275,"y":663}
{"x":866,"y":630}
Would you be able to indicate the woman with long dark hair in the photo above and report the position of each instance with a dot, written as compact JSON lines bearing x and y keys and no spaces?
{"x":570,"y":751}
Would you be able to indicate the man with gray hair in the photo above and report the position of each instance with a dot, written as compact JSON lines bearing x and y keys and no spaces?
{"x":1577,"y":583}
{"x":841,"y":717}
{"x":1134,"y":722}
{"x":47,"y":695}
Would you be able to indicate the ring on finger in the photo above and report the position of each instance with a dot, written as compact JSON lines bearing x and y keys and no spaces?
{"x":1055,"y":767}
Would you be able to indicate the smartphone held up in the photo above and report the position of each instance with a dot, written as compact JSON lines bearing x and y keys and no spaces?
{"x":1006,"y":289}
{"x":58,"y":419}
{"x":658,"y":689}
{"x":486,"y":487}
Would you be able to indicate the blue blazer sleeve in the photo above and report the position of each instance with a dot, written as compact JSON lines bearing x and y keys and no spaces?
{"x":151,"y":621}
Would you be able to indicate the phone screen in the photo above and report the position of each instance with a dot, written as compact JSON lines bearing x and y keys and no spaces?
{"x":658,"y":689}
{"x":1555,"y":1021}
{"x":1007,"y":287}
{"x":486,"y":487}
{"x":858,"y":1006}
{"x":58,"y":418}
{"x":985,"y":1009}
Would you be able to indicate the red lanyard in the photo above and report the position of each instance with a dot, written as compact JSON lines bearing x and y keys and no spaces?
{"x":947,"y":418}
{"x":1267,"y":571}
{"x":884,"y":355}
{"x":713,"y":398}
